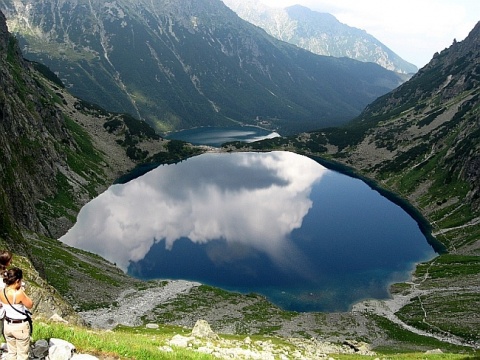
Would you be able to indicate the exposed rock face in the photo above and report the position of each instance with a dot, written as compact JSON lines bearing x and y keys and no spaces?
{"x":3,"y":34}
{"x":203,"y":330}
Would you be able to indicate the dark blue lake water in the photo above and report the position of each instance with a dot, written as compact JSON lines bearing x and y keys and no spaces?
{"x":216,"y":136}
{"x":278,"y":224}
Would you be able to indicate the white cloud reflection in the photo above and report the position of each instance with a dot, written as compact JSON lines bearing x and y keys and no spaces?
{"x":269,"y":136}
{"x":251,"y":200}
{"x":216,"y":137}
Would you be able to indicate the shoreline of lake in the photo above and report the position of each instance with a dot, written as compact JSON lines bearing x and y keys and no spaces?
{"x":168,"y":133}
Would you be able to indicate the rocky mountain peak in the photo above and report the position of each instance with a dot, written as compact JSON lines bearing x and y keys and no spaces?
{"x":320,"y":33}
{"x":450,"y":72}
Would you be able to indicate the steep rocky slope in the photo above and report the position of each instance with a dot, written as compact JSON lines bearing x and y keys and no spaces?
{"x":422,"y":141}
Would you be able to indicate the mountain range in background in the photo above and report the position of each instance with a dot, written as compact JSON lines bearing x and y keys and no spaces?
{"x":184,"y":63}
{"x":320,"y":33}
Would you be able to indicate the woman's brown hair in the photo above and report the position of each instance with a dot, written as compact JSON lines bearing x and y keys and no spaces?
{"x":5,"y":258}
{"x":12,"y":275}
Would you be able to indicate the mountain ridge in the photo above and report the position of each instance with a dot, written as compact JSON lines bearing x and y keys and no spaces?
{"x":320,"y":33}
{"x":443,"y":98}
{"x":182,"y":64}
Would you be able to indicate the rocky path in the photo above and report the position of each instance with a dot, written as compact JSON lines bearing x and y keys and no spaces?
{"x":133,"y":304}
{"x":389,"y":308}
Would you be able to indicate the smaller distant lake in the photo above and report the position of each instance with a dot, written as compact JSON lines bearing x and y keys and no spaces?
{"x":216,"y":136}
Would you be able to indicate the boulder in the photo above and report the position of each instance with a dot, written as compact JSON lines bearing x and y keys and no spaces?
{"x":203,"y":330}
{"x":57,"y":318}
{"x":40,"y":349}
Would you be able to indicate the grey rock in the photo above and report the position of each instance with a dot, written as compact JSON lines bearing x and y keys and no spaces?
{"x":202,"y":329}
{"x":434,"y":351}
{"x":180,"y":341}
{"x":40,"y":348}
{"x":59,"y":352}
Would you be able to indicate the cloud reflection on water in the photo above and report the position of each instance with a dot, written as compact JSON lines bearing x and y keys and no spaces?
{"x":253,"y":201}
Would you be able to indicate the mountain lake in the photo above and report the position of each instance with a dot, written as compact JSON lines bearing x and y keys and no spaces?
{"x":277,"y":224}
{"x":216,"y":136}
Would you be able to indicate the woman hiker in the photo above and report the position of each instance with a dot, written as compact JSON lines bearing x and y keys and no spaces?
{"x":16,"y":323}
{"x":5,"y":261}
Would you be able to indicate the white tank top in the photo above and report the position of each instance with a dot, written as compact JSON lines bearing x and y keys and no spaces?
{"x":10,"y":311}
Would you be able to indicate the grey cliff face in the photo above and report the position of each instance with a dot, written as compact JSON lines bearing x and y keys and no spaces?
{"x":27,"y":156}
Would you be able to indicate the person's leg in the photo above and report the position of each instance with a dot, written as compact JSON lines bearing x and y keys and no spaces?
{"x":11,"y":341}
{"x":22,"y":336}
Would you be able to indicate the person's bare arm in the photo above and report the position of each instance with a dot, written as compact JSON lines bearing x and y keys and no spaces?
{"x":24,"y":299}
